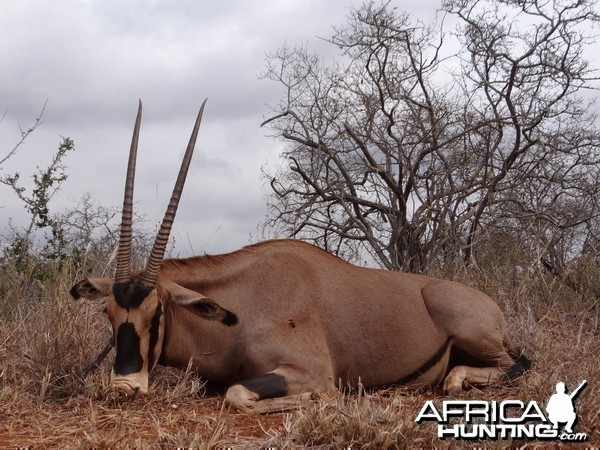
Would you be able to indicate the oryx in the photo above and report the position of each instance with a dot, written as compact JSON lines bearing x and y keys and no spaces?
{"x":280,"y":321}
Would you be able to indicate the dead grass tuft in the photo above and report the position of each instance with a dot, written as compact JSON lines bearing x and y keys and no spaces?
{"x":379,"y":420}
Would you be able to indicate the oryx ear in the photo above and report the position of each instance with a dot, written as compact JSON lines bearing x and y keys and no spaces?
{"x":92,"y":288}
{"x":199,"y":304}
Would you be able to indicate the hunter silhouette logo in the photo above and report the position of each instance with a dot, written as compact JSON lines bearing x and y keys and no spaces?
{"x":560,"y":407}
{"x":507,"y":419}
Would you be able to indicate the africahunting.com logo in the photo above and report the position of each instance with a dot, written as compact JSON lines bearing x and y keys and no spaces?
{"x":507,"y":419}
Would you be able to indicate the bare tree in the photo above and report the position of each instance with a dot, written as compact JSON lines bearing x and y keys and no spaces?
{"x":25,"y":132}
{"x":415,"y":155}
{"x":46,"y":182}
{"x":90,"y":235}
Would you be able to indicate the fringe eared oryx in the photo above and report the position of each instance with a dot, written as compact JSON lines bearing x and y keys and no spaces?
{"x":280,"y":321}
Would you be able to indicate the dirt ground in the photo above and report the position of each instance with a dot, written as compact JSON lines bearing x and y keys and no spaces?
{"x":81,"y":423}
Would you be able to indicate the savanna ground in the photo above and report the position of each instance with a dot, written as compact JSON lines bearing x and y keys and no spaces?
{"x":47,"y":340}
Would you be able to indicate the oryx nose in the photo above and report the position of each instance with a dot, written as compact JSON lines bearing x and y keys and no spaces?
{"x":130,"y":385}
{"x":127,"y":392}
{"x":132,"y":394}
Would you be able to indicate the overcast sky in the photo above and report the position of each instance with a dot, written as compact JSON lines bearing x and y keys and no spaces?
{"x":92,"y":59}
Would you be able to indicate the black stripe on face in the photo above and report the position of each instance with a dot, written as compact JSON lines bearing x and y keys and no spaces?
{"x":154,"y":332}
{"x":270,"y":385}
{"x":128,"y":359}
{"x":428,"y":364}
{"x":130,"y":295}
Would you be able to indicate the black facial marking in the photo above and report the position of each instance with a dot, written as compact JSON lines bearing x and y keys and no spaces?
{"x":428,"y":364}
{"x":154,"y":329}
{"x":128,"y":359}
{"x":130,"y":295}
{"x":270,"y":385}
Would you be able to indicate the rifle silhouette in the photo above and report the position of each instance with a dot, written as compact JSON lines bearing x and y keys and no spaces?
{"x":577,"y":390}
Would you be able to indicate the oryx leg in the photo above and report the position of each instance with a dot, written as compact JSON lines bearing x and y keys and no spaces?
{"x":461,"y":376}
{"x":477,"y":328}
{"x":490,"y":351}
{"x":286,"y":387}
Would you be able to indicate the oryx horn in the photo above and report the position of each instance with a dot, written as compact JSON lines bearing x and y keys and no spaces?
{"x":123,"y":270}
{"x":150,"y":275}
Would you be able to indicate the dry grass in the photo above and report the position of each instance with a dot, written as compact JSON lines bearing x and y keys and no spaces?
{"x":47,"y":340}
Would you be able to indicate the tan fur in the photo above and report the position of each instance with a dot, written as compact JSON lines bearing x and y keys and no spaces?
{"x":316,"y":320}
